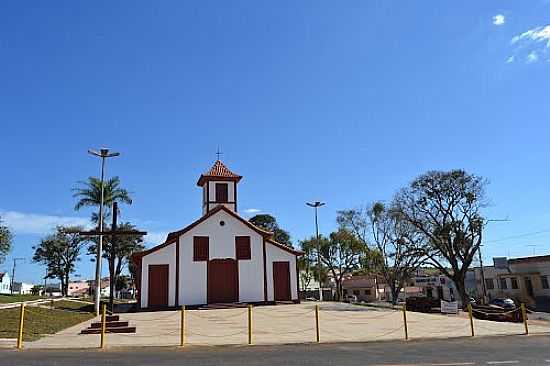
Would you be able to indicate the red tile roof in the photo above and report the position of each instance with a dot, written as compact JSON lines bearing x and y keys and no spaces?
{"x":218,"y":171}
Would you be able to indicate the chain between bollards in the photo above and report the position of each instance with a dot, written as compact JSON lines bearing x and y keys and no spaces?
{"x":405,"y":322}
{"x":524,"y":317}
{"x":471,"y":316}
{"x":103,"y":326}
{"x":249,"y":324}
{"x":21,"y":324}
{"x":182,"y":326}
{"x":317,"y":328}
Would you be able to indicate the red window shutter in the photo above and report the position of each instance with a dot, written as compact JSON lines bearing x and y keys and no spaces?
{"x":200,"y":248}
{"x":222,"y":192}
{"x":242,"y":247}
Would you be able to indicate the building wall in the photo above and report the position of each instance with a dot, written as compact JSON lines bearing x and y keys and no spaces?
{"x":5,"y":284}
{"x":275,"y":254}
{"x":166,"y":255}
{"x":193,"y":275}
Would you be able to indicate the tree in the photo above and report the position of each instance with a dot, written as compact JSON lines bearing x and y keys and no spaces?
{"x":89,"y":195}
{"x":399,"y":245}
{"x":445,"y":207}
{"x":118,"y":254}
{"x":5,"y":241}
{"x":341,"y":253}
{"x":269,"y":223}
{"x":59,"y":252}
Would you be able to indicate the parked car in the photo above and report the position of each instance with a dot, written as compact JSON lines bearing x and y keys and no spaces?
{"x":505,"y":303}
{"x":350,"y":298}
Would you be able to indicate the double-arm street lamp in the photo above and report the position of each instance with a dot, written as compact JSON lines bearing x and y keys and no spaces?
{"x":103,"y":154}
{"x":316,"y":205}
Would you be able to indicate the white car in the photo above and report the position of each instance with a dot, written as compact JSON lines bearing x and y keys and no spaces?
{"x":350,"y":298}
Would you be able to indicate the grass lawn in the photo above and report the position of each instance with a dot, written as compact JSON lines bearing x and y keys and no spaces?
{"x":5,"y":299}
{"x":41,"y":321}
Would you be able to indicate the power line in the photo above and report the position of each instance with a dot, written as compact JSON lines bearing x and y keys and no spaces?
{"x":519,"y":236}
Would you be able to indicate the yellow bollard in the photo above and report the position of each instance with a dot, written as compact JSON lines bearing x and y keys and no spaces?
{"x":103,"y":325}
{"x":317,"y":328}
{"x":21,"y":324}
{"x":471,"y":315}
{"x":182,"y":327}
{"x":405,"y":322}
{"x":249,"y":324}
{"x":524,"y":317}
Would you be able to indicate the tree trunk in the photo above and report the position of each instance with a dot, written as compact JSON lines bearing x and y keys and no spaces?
{"x":458,"y":279}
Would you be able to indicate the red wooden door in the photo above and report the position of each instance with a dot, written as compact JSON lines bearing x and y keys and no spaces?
{"x":281,"y":281}
{"x":223,"y":281}
{"x":158,"y":286}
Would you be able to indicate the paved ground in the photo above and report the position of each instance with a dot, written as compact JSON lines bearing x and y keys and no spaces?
{"x":285,"y":324}
{"x":507,"y":350}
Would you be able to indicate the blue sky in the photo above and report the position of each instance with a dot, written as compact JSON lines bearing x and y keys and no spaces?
{"x":340,"y":101}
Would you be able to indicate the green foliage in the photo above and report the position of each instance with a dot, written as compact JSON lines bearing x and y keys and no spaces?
{"x":5,"y":241}
{"x":59,"y":252}
{"x":340,"y":253}
{"x":445,"y":208}
{"x":269,"y":223}
{"x":89,"y":195}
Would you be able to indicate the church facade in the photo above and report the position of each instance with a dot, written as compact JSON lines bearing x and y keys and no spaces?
{"x":219,"y":258}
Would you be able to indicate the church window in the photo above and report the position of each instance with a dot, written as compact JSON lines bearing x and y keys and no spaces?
{"x":200,"y":248}
{"x":242,"y":247}
{"x":222,"y":192}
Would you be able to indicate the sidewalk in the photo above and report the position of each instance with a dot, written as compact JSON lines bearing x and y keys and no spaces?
{"x":283,"y":324}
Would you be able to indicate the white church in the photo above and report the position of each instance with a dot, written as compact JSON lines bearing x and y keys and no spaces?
{"x":220,"y":258}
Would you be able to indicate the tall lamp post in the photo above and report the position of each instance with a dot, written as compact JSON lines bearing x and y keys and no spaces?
{"x":316,"y":205}
{"x":103,"y":154}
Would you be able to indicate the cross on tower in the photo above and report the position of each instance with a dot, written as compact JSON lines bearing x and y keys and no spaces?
{"x":218,"y":153}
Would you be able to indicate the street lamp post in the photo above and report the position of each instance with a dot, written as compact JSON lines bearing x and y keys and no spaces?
{"x":103,"y":154}
{"x":316,"y":205}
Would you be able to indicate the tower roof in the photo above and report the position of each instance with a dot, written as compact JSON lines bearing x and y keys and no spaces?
{"x":218,"y":172}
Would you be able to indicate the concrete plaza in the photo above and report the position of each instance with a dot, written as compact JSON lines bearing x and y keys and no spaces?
{"x":283,"y":324}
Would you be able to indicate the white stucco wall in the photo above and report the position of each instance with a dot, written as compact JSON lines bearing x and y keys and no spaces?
{"x":166,"y":255}
{"x":275,"y":254}
{"x":193,"y":276}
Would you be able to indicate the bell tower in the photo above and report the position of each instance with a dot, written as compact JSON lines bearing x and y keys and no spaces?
{"x":219,"y":187}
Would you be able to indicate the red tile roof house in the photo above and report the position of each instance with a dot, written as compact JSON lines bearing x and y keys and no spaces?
{"x":219,"y":258}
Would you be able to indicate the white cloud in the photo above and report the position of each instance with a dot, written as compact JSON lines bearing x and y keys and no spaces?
{"x":510,"y":59}
{"x":39,"y":224}
{"x":252,"y":211}
{"x":499,"y":19}
{"x":532,"y":44}
{"x":532,"y":57}
{"x":536,"y":35}
{"x":155,"y":237}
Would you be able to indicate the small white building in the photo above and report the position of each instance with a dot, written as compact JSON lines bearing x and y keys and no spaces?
{"x":5,"y":283}
{"x":22,"y":288}
{"x":219,"y":258}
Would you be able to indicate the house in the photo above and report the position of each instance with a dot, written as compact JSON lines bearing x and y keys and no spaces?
{"x":525,"y":279}
{"x":22,"y":288}
{"x":219,"y":258}
{"x":78,"y":288}
{"x":5,"y":283}
{"x":365,"y":288}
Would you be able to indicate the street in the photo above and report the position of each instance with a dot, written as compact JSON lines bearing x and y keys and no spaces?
{"x":509,"y":350}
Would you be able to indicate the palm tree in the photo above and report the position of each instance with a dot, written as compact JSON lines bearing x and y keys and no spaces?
{"x":89,"y":195}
